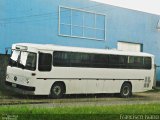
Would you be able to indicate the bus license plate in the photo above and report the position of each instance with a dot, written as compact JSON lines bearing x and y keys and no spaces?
{"x":14,"y":85}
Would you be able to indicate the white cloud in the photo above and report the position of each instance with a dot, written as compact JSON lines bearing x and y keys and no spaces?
{"x":149,"y":6}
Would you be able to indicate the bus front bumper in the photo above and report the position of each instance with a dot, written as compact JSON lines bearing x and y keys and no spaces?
{"x":21,"y":89}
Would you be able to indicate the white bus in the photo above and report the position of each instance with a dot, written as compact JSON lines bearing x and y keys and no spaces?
{"x":36,"y":69}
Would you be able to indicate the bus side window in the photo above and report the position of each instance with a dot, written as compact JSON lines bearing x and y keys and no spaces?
{"x":113,"y":61}
{"x":61,"y":59}
{"x":123,"y":61}
{"x":85,"y":60}
{"x":147,"y":63}
{"x":45,"y":62}
{"x":99,"y":61}
{"x":131,"y":64}
{"x":138,"y":61}
{"x":75,"y":59}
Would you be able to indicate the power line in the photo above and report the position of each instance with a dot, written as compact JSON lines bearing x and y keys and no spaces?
{"x":26,"y":16}
{"x":40,"y":15}
{"x":25,"y":21}
{"x":35,"y":15}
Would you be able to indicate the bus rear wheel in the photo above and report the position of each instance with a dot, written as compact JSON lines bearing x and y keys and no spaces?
{"x":126,"y":90}
{"x":57,"y":90}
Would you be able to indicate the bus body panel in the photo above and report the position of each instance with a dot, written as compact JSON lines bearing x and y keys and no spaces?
{"x":80,"y":80}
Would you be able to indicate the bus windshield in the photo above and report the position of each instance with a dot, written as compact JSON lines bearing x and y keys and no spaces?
{"x":23,"y":59}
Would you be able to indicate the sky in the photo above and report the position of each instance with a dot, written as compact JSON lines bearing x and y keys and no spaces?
{"x":149,"y":6}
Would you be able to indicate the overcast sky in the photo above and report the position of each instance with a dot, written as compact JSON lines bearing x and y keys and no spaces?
{"x":149,"y":6}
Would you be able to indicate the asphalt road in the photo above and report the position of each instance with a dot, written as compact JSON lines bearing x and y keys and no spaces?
{"x":81,"y":100}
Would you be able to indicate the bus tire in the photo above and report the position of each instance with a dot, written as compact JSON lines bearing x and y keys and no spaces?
{"x":57,"y":90}
{"x":126,"y":90}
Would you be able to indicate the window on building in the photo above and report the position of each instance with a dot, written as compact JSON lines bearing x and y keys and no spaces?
{"x":82,"y":24}
{"x":45,"y":62}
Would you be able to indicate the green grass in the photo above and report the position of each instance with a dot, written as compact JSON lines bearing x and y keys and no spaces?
{"x":79,"y":113}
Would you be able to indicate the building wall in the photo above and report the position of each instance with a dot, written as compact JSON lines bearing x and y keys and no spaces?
{"x":36,"y":21}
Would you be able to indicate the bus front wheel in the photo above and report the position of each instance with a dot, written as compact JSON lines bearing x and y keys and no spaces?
{"x":57,"y":90}
{"x":126,"y":90}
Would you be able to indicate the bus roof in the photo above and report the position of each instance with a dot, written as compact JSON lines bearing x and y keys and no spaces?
{"x":53,"y":47}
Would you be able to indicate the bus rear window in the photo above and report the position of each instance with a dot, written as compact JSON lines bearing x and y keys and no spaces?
{"x":45,"y":62}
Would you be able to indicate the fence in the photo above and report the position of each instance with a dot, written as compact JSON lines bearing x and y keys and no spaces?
{"x":3,"y":65}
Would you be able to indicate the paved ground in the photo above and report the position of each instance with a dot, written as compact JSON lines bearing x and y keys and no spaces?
{"x":81,"y":100}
